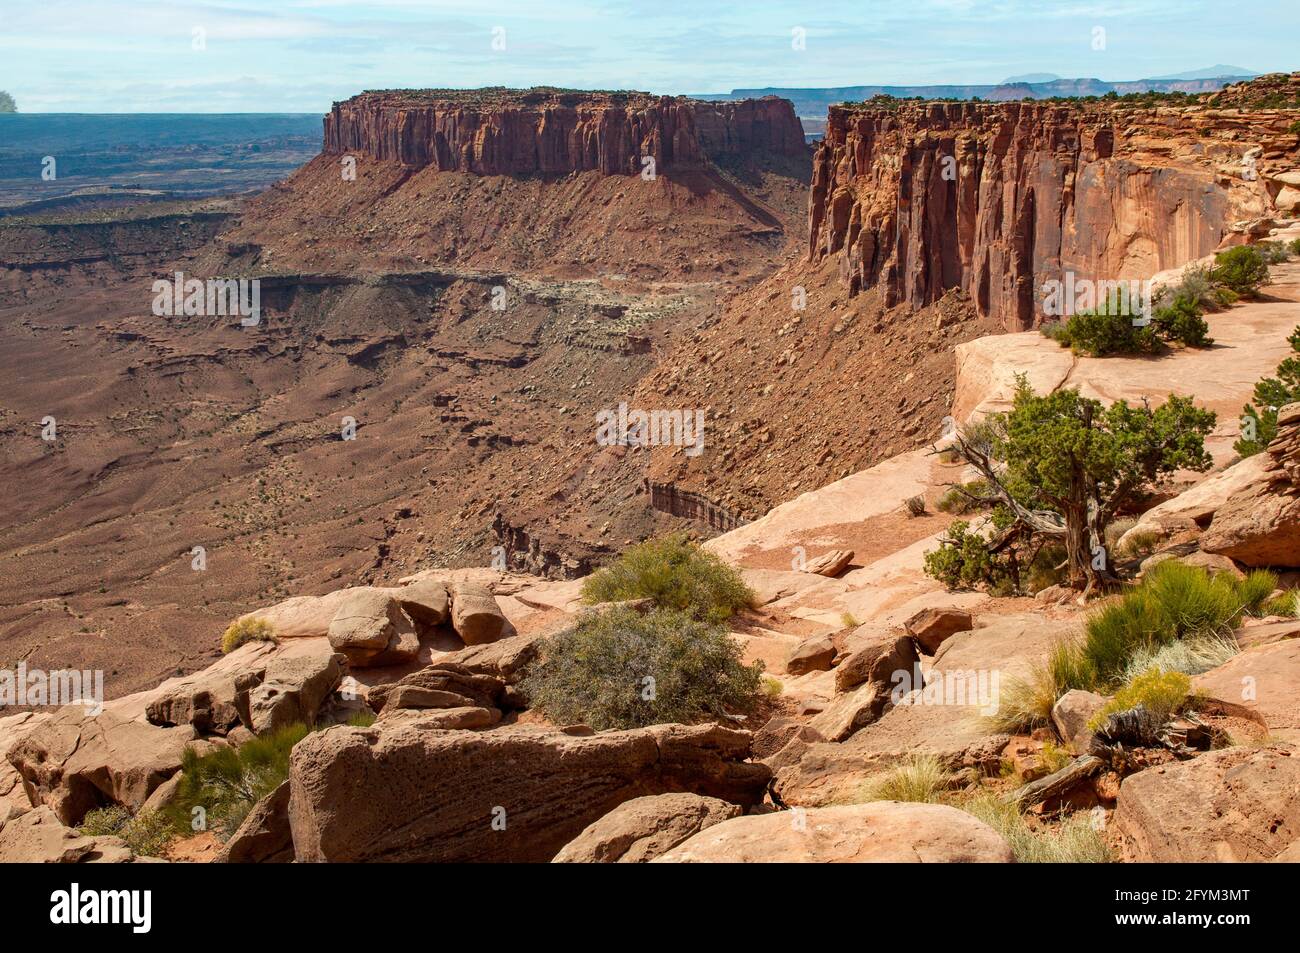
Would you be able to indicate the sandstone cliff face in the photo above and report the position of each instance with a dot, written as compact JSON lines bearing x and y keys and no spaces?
{"x":995,"y":199}
{"x":554,"y":132}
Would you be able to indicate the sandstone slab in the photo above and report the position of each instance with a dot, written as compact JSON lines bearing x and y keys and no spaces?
{"x":639,"y":830}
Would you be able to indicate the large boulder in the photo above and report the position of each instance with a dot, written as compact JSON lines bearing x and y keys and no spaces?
{"x":1236,"y":804}
{"x":1187,"y":514}
{"x":874,"y":655}
{"x":264,"y":836}
{"x":876,"y":832}
{"x":404,"y":792}
{"x":1261,"y":683}
{"x":1259,"y":525}
{"x":810,"y":655}
{"x":13,"y":799}
{"x":475,"y":615}
{"x":639,"y":830}
{"x":371,"y":628}
{"x":73,"y":762}
{"x":426,"y":602}
{"x":456,"y":685}
{"x":930,"y":627}
{"x":39,"y":837}
{"x":1071,"y":714}
{"x":291,"y":689}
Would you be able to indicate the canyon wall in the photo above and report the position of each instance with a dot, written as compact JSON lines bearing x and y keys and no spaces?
{"x":554,"y":132}
{"x":996,"y":198}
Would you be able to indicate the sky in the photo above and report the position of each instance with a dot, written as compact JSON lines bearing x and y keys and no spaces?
{"x":302,"y":55}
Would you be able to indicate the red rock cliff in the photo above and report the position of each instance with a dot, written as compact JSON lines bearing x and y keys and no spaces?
{"x":503,"y":132}
{"x":995,"y":198}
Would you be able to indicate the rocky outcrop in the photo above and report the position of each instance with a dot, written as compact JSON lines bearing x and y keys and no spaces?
{"x":73,"y":763}
{"x":264,"y":836}
{"x":877,"y":832}
{"x":1262,"y":683}
{"x":39,"y":837}
{"x":930,"y":627}
{"x":372,"y":629}
{"x":515,"y":793}
{"x":475,"y":615}
{"x":639,"y":830}
{"x":1238,"y":804}
{"x":1259,"y":524}
{"x":995,"y":199}
{"x":556,"y":132}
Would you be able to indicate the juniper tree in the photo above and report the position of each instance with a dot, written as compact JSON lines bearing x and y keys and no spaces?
{"x":1063,"y":465}
{"x":1259,"y":421}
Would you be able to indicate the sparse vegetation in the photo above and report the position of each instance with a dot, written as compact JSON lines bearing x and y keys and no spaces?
{"x":921,"y":777}
{"x":1075,"y":840}
{"x":620,"y":669}
{"x":1026,"y":703}
{"x":147,"y":833}
{"x":916,"y":505}
{"x":1191,"y":656}
{"x":228,"y":782}
{"x":242,"y":631}
{"x":1175,"y":602}
{"x":677,"y":574}
{"x":964,"y":498}
{"x":1163,"y":694}
{"x":1103,"y":332}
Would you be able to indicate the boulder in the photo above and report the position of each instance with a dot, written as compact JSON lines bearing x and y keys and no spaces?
{"x":475,"y":615}
{"x":292,"y":688}
{"x":776,"y":734}
{"x":829,"y":564}
{"x":1261,"y":683}
{"x":1187,"y":514}
{"x":876,"y":832}
{"x":874,"y":656}
{"x":13,"y":728}
{"x":370,"y":628}
{"x":39,"y":837}
{"x":851,"y":711}
{"x":448,"y":678}
{"x":1235,"y":804}
{"x":1071,"y":714}
{"x":639,"y":830}
{"x":264,"y":836}
{"x":1259,"y":525}
{"x":425,"y":602}
{"x":413,"y":696}
{"x":811,"y":655}
{"x":74,"y":763}
{"x":930,"y":627}
{"x":443,"y":719}
{"x":516,"y":793}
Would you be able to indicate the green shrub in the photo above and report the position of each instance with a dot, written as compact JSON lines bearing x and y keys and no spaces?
{"x":920,"y":778}
{"x":1074,"y":841}
{"x":246,"y":630}
{"x":1101,"y":333}
{"x":677,"y":574}
{"x":1194,"y":284}
{"x":620,"y":669}
{"x":1242,"y":269}
{"x":1224,"y":297}
{"x":1293,"y":246}
{"x":147,"y":833}
{"x":1174,"y":602}
{"x":228,"y":782}
{"x":1255,"y":590}
{"x":1284,"y":605}
{"x":1054,"y":756}
{"x":1181,"y":321}
{"x":1161,"y":693}
{"x":963,"y":561}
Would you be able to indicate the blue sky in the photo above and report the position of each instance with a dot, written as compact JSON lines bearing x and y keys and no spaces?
{"x":301,"y":55}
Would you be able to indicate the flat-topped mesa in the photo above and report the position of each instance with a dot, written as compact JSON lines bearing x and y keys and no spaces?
{"x":550,"y":131}
{"x":997,"y":198}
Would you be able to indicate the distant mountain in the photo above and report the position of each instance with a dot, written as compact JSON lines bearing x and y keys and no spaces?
{"x":1210,"y":72}
{"x":812,"y":103}
{"x":1032,"y":78}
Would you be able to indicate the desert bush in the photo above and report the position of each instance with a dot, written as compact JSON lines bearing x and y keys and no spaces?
{"x":1293,"y":246}
{"x":1270,"y":394}
{"x":958,"y":499}
{"x":1191,"y":656}
{"x":1181,"y":320}
{"x":246,"y":630}
{"x":1025,"y":703}
{"x":1194,"y":284}
{"x":916,"y":505}
{"x":147,"y":833}
{"x":1101,"y":333}
{"x":1054,"y":756}
{"x":963,"y":561}
{"x":620,"y":669}
{"x":1074,"y":841}
{"x":228,"y":782}
{"x":1285,"y":605}
{"x":772,"y":687}
{"x":1243,"y":270}
{"x":921,"y":777}
{"x":677,"y":574}
{"x":1163,"y":694}
{"x":1274,"y":253}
